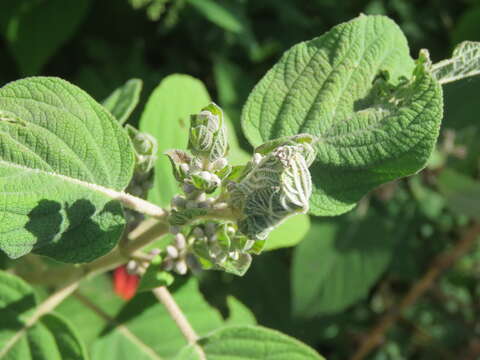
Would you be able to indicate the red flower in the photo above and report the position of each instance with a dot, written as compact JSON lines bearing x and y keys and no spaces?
{"x":124,"y":284}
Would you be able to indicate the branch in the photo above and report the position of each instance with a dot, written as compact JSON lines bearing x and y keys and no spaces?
{"x":438,"y":265}
{"x":164,"y":296}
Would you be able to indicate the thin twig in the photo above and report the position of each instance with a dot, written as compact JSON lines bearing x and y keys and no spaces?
{"x":438,"y":265}
{"x":164,"y":296}
{"x":121,"y":328}
{"x":44,"y":308}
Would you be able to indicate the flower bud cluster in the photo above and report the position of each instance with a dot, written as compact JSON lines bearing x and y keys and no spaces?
{"x":218,"y":245}
{"x":177,"y":255}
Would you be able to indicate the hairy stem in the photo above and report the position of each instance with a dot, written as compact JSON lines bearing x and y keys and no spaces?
{"x":438,"y":265}
{"x":141,"y":236}
{"x":164,"y":296}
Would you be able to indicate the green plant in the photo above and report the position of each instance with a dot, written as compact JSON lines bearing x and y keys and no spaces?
{"x":335,"y":118}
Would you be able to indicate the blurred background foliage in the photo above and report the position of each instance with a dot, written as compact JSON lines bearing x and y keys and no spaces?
{"x":350,"y":274}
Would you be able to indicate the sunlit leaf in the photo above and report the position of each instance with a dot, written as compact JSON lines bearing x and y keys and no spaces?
{"x":57,"y":147}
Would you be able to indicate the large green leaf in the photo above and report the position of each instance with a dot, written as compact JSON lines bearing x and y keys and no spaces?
{"x":124,"y":99}
{"x":167,"y":118}
{"x":339,"y":260}
{"x":57,"y":145}
{"x":345,"y":87}
{"x":48,"y":338}
{"x":36,"y":29}
{"x":142,"y":327}
{"x":250,"y":343}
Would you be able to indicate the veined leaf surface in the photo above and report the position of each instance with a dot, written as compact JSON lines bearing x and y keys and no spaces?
{"x":375,"y":113}
{"x":56,"y":145}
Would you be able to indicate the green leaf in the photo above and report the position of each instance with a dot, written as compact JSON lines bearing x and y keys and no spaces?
{"x":48,"y":338}
{"x":239,"y":314}
{"x":124,"y":99}
{"x":464,"y":63}
{"x":461,"y":192}
{"x":339,"y":260}
{"x":59,"y":151}
{"x":167,"y":118}
{"x":155,"y":277}
{"x":289,"y":233}
{"x":251,"y":343}
{"x":36,"y":29}
{"x":349,"y":88}
{"x":104,"y":320}
{"x":219,"y":14}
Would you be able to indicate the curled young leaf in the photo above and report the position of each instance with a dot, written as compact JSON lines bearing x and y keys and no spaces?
{"x":275,"y":187}
{"x":465,"y":62}
{"x":208,"y":134}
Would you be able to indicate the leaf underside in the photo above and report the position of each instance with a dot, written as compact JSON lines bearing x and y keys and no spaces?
{"x":52,"y":135}
{"x":349,"y":88}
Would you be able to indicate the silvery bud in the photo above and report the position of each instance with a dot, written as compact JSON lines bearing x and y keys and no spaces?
{"x":181,"y":267}
{"x":172,"y":251}
{"x":180,"y":241}
{"x":208,"y":135}
{"x":205,"y":181}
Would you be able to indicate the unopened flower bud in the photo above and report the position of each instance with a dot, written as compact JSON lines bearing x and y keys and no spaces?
{"x":257,"y":158}
{"x":219,"y":164}
{"x":181,"y":267}
{"x":184,"y":168}
{"x":180,"y":241}
{"x":132,"y":267}
{"x":172,"y":251}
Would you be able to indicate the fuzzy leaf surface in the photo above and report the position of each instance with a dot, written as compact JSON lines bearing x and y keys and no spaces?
{"x":56,"y":143}
{"x":349,"y":88}
{"x":464,"y":63}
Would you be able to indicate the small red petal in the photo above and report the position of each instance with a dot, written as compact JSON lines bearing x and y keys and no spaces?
{"x":124,"y":284}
